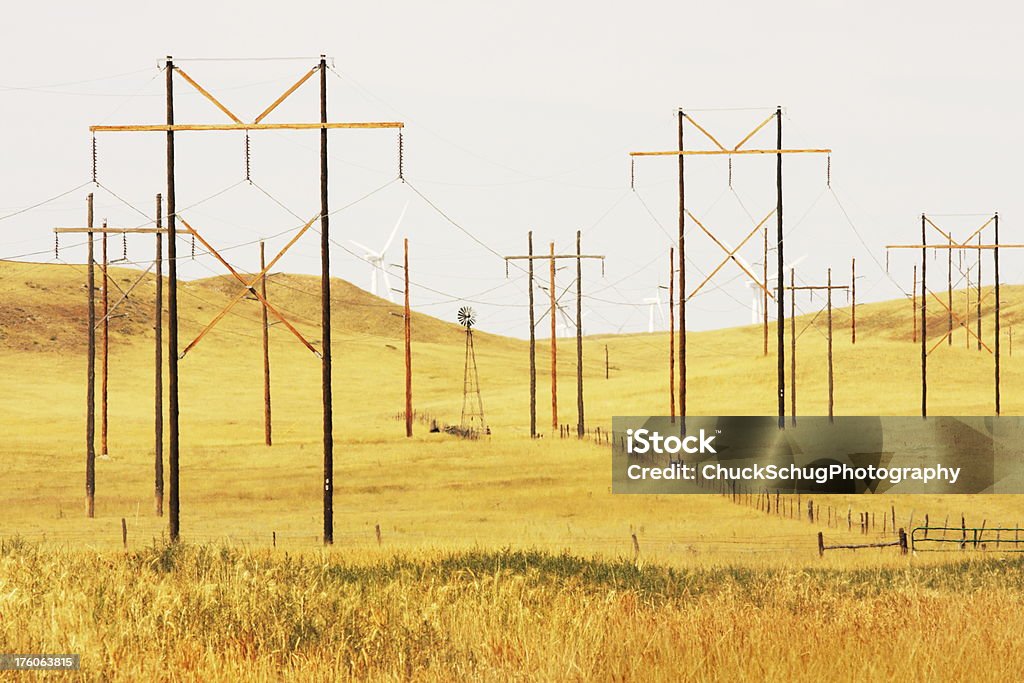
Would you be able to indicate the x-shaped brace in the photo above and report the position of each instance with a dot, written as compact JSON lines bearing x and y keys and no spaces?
{"x":227,"y":112}
{"x":959,"y":321}
{"x":949,"y":236}
{"x":731,"y":255}
{"x":249,"y":287}
{"x":718,"y":144}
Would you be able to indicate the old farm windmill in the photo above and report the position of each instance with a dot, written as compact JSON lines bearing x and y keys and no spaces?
{"x":472,"y":403}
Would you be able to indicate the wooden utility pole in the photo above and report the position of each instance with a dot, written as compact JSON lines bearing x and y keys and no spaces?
{"x":781,"y":265}
{"x":158,"y":369}
{"x":792,"y":345}
{"x":978,"y":316}
{"x":554,"y":350}
{"x":551,"y":257}
{"x":407,"y":324}
{"x":606,"y":354}
{"x":914,"y":303}
{"x":267,"y":418}
{"x":967,"y":309}
{"x":682,"y":272}
{"x":853,"y":301}
{"x":580,"y":422}
{"x":533,"y":341}
{"x":106,"y":347}
{"x":325,"y":318}
{"x":949,"y":294}
{"x":764,"y":294}
{"x":924,"y":320}
{"x":831,"y":392}
{"x":793,"y":289}
{"x":90,"y":389}
{"x":995,"y":255}
{"x":671,"y":334}
{"x":174,"y":525}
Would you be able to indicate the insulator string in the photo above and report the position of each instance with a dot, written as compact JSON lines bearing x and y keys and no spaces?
{"x":401,"y":156}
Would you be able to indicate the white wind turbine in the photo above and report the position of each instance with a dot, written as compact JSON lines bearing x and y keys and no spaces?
{"x":757,"y":294}
{"x":654,"y":304}
{"x":568,"y":325}
{"x":376,"y":259}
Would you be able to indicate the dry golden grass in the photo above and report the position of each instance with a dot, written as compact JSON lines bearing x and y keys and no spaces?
{"x":211,"y":614}
{"x":766,"y":604}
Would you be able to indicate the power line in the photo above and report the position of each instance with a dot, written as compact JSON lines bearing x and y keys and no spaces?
{"x":45,"y":201}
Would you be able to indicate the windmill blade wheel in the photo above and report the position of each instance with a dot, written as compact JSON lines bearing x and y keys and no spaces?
{"x":467,"y":317}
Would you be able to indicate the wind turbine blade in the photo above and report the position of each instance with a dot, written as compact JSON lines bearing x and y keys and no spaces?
{"x":391,"y":238}
{"x":369,"y":252}
{"x":793,"y":264}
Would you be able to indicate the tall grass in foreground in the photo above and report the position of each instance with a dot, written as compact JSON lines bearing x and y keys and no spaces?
{"x":212,"y":613}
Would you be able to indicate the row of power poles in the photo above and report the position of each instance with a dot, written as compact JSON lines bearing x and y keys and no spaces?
{"x":552,"y":258}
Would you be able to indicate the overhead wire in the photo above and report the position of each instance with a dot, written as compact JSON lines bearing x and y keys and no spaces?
{"x":45,"y":201}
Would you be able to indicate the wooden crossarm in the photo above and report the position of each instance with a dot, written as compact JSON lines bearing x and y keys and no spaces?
{"x":704,"y":152}
{"x":112,"y":231}
{"x":548,"y":257}
{"x":163,"y":128}
{"x":954,"y":246}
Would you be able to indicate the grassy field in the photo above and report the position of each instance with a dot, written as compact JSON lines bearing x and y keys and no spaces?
{"x":208,"y":613}
{"x":718,"y":584}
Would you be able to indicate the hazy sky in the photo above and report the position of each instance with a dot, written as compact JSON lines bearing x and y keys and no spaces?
{"x":520,"y":116}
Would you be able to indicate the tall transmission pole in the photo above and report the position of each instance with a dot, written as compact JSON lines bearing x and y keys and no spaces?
{"x":268,"y":436}
{"x":737,"y":150}
{"x":236,"y":124}
{"x":158,"y":369}
{"x":90,"y":389}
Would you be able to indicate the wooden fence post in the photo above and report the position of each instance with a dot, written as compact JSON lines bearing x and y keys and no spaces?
{"x":821,"y":544}
{"x":903,"y":541}
{"x":124,"y":534}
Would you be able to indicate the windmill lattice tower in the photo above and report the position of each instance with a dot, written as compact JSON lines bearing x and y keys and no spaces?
{"x":472,"y":403}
